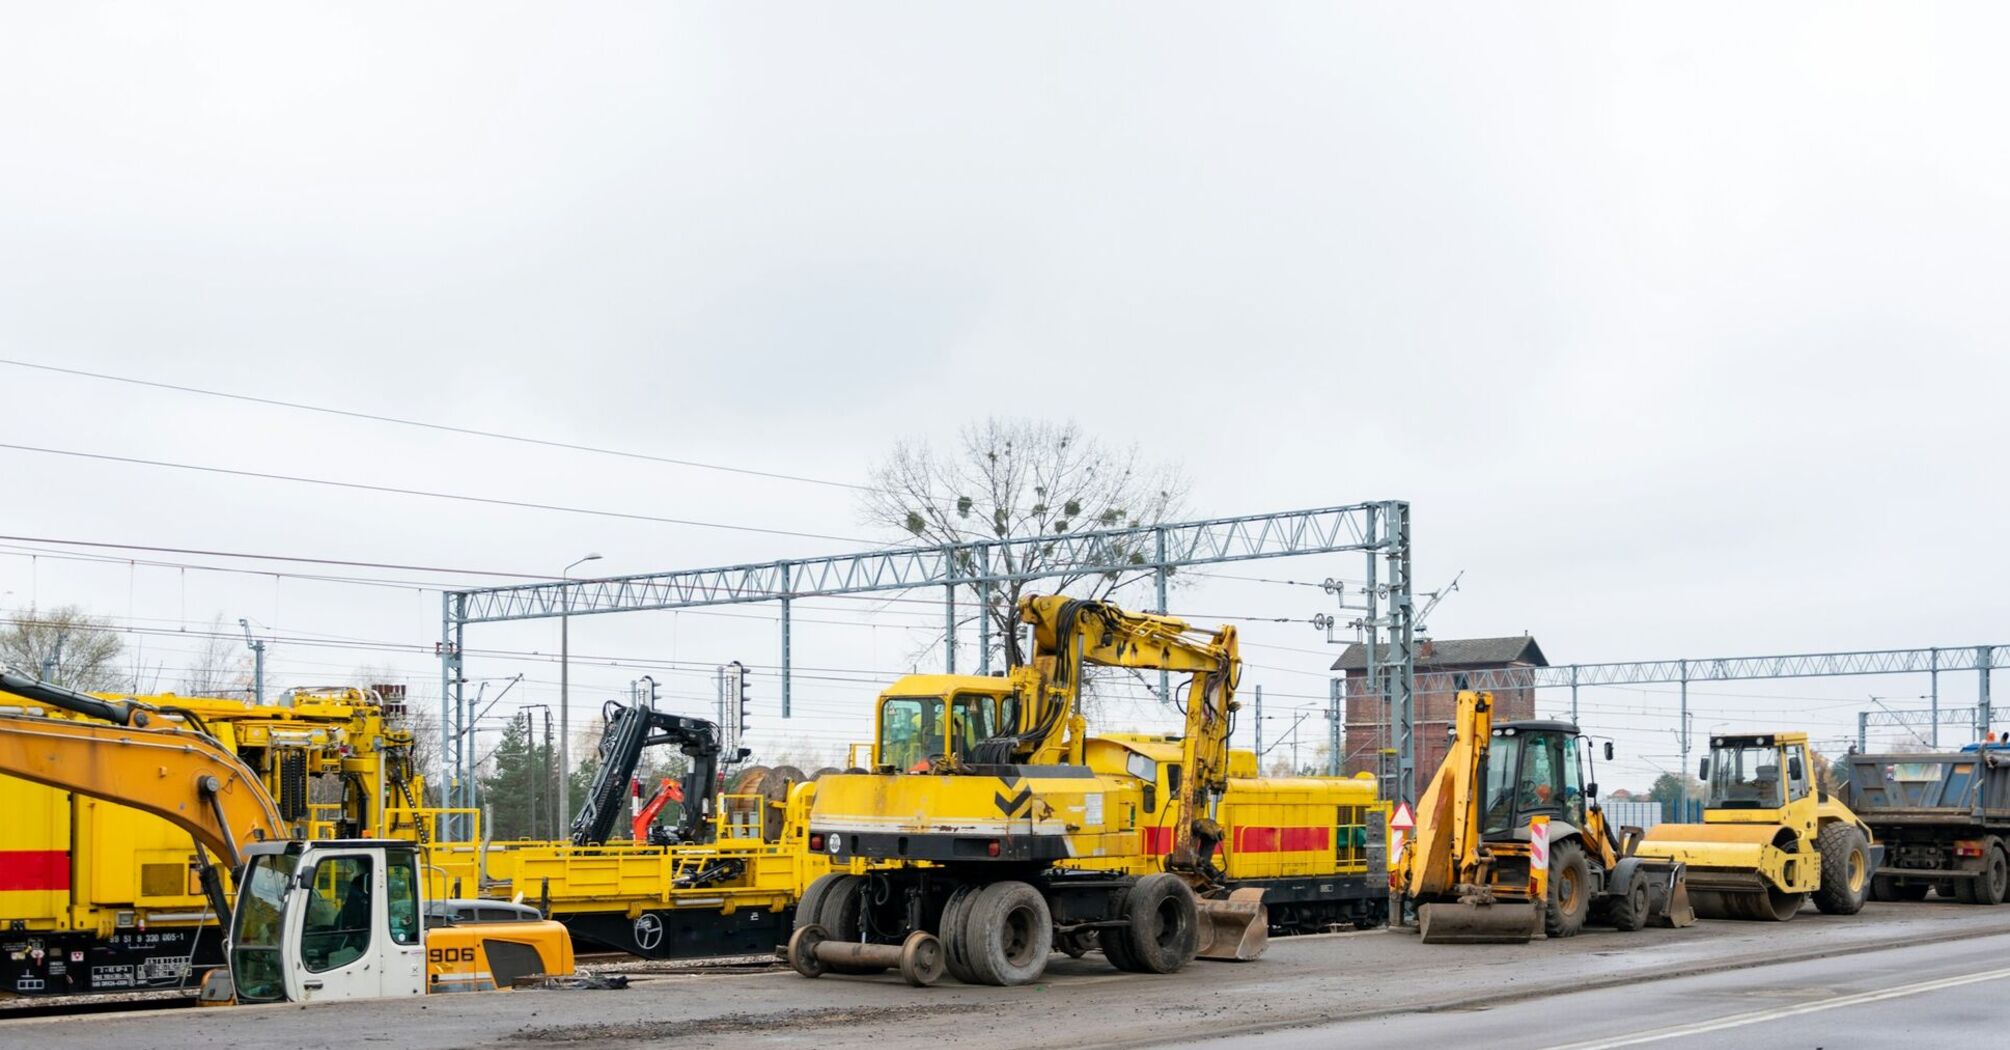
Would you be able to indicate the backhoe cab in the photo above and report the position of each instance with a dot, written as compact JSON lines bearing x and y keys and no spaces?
{"x":1511,"y":845}
{"x":1771,"y":838}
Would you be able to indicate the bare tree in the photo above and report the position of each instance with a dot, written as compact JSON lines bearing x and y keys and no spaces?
{"x":1021,"y":478}
{"x":63,"y":645}
{"x":222,"y":667}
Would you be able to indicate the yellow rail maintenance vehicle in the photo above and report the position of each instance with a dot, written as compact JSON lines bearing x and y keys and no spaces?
{"x":314,"y":919}
{"x":1771,"y":837}
{"x":723,"y":880}
{"x":100,"y":897}
{"x":1316,"y":846}
{"x":985,"y":833}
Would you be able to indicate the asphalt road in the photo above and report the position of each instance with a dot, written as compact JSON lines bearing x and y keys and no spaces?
{"x":1370,"y":989}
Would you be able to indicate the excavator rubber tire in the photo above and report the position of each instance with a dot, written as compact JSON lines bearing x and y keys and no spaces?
{"x":1628,"y":911}
{"x":1008,"y":934}
{"x":1161,"y":928}
{"x":1994,"y":885}
{"x":842,"y":913}
{"x":813,"y":898}
{"x":1569,"y":890}
{"x":1116,"y":945}
{"x":950,"y":930}
{"x":1845,"y":870}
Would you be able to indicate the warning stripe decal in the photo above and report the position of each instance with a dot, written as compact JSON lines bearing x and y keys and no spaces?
{"x":34,"y":869}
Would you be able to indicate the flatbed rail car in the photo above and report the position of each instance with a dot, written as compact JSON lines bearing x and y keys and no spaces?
{"x":99,"y":898}
{"x":1316,"y":846}
{"x":1944,"y":820}
{"x":735,"y":895}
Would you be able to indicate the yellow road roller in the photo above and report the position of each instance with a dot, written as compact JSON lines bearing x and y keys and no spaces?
{"x":1771,"y":838}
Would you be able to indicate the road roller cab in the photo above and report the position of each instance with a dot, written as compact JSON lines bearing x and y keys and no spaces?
{"x":1771,"y":838}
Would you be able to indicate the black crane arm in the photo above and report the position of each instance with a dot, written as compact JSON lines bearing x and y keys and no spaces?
{"x":632,"y":729}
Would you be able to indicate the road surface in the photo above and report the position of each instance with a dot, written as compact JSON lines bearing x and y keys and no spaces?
{"x":1379,"y":988}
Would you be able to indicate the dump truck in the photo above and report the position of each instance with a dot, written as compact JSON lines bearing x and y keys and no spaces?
{"x":985,"y":832}
{"x":1771,"y":837}
{"x":312,"y":919}
{"x":1943,"y":818}
{"x":1511,"y":845}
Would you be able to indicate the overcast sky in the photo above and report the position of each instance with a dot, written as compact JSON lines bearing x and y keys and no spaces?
{"x":1681,"y":325}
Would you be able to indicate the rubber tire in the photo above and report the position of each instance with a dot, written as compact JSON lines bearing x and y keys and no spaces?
{"x":812,"y":899}
{"x":1839,"y":843}
{"x":1566,"y":859}
{"x":1629,"y":910}
{"x":950,"y":930}
{"x":1073,"y":945}
{"x":841,"y":913}
{"x":1008,"y":933}
{"x":1161,"y":928}
{"x":1995,"y":885}
{"x":1882,"y":888}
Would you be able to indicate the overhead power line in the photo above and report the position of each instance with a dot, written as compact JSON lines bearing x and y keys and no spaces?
{"x":302,"y":559}
{"x":427,"y":425}
{"x":461,"y":497}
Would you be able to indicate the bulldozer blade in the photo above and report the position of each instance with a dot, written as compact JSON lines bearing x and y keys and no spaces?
{"x":1233,"y":930}
{"x":1676,"y":912}
{"x":1461,"y":923}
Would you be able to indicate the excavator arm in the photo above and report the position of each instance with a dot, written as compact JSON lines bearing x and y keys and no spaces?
{"x":182,"y":776}
{"x":630,"y":730}
{"x":1070,"y":634}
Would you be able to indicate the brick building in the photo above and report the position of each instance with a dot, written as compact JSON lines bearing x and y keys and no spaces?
{"x":1439,"y":662}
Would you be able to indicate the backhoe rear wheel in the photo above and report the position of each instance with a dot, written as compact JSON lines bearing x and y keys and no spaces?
{"x":1008,"y":933}
{"x":1845,"y":870}
{"x":1629,"y":910}
{"x":1569,"y":890}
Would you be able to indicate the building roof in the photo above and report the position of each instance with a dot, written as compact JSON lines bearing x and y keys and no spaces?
{"x":1457,"y":652}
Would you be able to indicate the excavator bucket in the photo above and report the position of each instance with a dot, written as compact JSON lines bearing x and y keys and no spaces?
{"x":1236,"y":929}
{"x":1506,"y":922}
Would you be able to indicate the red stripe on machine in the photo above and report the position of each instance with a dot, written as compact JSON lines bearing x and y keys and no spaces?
{"x":1282,"y":840}
{"x":34,"y":869}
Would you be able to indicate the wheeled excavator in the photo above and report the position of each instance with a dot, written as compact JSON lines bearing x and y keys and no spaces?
{"x":1511,"y":845}
{"x":989,"y":829}
{"x":312,"y":920}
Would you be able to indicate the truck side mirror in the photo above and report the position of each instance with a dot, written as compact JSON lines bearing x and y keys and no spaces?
{"x":1703,"y":770}
{"x":1608,"y":750}
{"x":1591,"y":789}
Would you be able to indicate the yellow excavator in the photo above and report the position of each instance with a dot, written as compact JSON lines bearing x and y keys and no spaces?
{"x":988,"y":830}
{"x":1511,"y":845}
{"x":1769,"y":842}
{"x":313,"y":920}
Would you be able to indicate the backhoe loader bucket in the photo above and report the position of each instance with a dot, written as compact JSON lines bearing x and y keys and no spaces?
{"x":1462,"y":922}
{"x":1234,"y":930}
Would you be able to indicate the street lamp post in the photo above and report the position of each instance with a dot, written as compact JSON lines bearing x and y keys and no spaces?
{"x":564,"y":813}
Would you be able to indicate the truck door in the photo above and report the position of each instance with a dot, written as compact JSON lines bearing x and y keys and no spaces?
{"x":341,"y":924}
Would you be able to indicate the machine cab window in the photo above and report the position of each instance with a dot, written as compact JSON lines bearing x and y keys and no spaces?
{"x":915,"y":729}
{"x":259,"y":926}
{"x":337,"y":928}
{"x":1526,"y":775}
{"x":1746,"y":775}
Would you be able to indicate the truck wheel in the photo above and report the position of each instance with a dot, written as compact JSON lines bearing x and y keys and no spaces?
{"x":1007,"y":934}
{"x":1161,"y":928}
{"x":1569,"y":890}
{"x":841,"y":912}
{"x":1629,"y":912}
{"x":1845,"y":870}
{"x":1882,"y":888}
{"x":950,"y":929}
{"x":1909,"y":891}
{"x":1995,"y":881}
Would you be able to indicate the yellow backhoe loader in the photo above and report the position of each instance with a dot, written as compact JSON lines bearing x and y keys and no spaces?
{"x":313,"y":920}
{"x":989,"y":830}
{"x":1511,"y":845}
{"x":1769,"y":842}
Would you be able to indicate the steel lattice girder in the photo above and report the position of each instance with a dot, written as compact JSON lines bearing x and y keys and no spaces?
{"x":1358,"y":527}
{"x":1736,"y":668}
